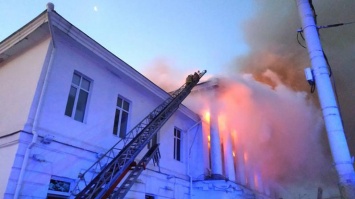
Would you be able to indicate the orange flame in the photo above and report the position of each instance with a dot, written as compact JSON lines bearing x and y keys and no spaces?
{"x":209,"y":141}
{"x":207,"y":116}
{"x":245,"y":157}
{"x":256,"y":183}
{"x":222,"y":123}
{"x":234,"y":135}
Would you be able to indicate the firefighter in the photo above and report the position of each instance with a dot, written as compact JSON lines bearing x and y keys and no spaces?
{"x":188,"y":79}
{"x":195,"y":77}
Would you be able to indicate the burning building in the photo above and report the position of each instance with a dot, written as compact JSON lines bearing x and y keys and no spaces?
{"x":68,"y":100}
{"x":262,"y":136}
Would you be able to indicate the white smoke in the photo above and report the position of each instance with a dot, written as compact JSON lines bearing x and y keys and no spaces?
{"x":278,"y":128}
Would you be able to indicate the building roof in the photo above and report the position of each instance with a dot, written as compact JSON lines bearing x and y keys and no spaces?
{"x":41,"y":26}
{"x":208,"y":85}
{"x":26,"y":36}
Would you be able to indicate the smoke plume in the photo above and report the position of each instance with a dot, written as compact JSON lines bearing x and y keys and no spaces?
{"x":277,"y":128}
{"x":272,"y":38}
{"x":165,"y":74}
{"x":161,"y":71}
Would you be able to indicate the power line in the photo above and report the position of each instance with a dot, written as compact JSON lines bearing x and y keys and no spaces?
{"x":298,"y":40}
{"x":300,"y":30}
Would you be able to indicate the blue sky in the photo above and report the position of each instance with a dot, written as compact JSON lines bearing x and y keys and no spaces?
{"x":187,"y":34}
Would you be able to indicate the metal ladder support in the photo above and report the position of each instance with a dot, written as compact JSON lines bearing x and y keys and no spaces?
{"x":133,"y":176}
{"x":114,"y":165}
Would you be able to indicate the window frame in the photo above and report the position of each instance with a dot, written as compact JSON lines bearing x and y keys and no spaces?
{"x":155,"y":140}
{"x":71,"y":108}
{"x":149,"y":196}
{"x":116,"y":130}
{"x":60,"y":194}
{"x":177,"y":150}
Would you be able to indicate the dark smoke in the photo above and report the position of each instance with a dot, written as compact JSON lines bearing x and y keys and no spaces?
{"x":271,"y":35}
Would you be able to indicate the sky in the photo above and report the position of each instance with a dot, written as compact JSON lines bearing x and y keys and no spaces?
{"x":184,"y":34}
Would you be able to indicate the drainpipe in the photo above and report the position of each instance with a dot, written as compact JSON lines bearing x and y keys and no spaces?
{"x":188,"y":160}
{"x":24,"y":164}
{"x":336,"y":137}
{"x":35,"y":120}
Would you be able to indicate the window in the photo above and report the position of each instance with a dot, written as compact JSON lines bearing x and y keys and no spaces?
{"x":154,"y":141}
{"x":148,"y":196}
{"x":121,"y":118}
{"x":78,"y":97}
{"x":177,"y":144}
{"x":59,"y":187}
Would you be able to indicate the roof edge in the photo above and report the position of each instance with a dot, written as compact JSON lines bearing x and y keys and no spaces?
{"x":81,"y":37}
{"x":60,"y":22}
{"x":85,"y":40}
{"x":23,"y":32}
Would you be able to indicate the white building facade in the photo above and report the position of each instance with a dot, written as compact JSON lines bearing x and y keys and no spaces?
{"x":65,"y":100}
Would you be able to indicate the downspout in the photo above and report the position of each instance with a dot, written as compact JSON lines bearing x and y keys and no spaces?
{"x":188,"y":160}
{"x":35,"y":119}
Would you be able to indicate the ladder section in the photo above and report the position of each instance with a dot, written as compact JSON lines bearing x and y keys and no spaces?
{"x":133,"y":176}
{"x":117,"y":160}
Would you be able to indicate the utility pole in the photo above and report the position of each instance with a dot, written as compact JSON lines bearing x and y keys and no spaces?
{"x":337,"y":141}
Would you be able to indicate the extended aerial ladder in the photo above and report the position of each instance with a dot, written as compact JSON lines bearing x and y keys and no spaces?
{"x":100,"y":180}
